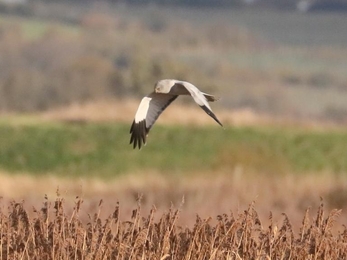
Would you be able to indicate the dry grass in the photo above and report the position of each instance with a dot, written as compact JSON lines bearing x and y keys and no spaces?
{"x":178,"y":113}
{"x":204,"y":194}
{"x":124,"y":110}
{"x":53,"y":234}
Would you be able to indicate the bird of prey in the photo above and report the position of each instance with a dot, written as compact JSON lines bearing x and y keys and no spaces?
{"x":152,"y":105}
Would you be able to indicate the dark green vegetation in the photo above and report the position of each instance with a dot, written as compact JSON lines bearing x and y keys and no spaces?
{"x":103,"y":149}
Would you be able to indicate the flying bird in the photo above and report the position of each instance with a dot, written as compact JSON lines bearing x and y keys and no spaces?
{"x":152,"y":105}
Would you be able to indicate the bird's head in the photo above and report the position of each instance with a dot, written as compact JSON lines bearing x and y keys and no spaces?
{"x":158,"y":87}
{"x":164,"y":86}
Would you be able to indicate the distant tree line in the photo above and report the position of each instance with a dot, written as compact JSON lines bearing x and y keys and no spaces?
{"x":301,"y":5}
{"x":202,"y":3}
{"x":285,"y":4}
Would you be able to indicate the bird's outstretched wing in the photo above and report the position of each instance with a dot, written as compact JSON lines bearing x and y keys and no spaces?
{"x":147,"y":113}
{"x":200,"y":98}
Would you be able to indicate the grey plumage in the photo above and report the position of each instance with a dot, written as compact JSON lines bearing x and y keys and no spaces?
{"x":151,"y":106}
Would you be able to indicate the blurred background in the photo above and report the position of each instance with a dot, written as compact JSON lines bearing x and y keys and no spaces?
{"x":282,"y":58}
{"x":72,"y":74}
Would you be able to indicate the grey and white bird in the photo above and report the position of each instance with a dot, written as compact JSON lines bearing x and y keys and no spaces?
{"x":152,"y":105}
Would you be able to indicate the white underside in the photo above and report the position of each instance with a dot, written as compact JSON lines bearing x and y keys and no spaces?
{"x":196,"y":94}
{"x":142,"y":110}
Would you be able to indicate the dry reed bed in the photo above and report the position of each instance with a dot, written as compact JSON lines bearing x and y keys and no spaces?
{"x":123,"y":110}
{"x":51,"y":233}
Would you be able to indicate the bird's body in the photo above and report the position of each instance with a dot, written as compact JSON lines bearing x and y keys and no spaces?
{"x":151,"y":106}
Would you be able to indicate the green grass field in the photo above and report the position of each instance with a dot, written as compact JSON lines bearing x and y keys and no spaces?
{"x":287,"y":68}
{"x":33,"y":29}
{"x":103,"y":150}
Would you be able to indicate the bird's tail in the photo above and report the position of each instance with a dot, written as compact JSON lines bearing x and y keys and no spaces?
{"x":210,"y":98}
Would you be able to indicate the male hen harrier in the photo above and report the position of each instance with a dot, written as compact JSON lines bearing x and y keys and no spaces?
{"x":151,"y":106}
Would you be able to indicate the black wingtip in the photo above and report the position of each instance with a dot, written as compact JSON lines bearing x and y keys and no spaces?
{"x":138,"y":133}
{"x":211,"y":114}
